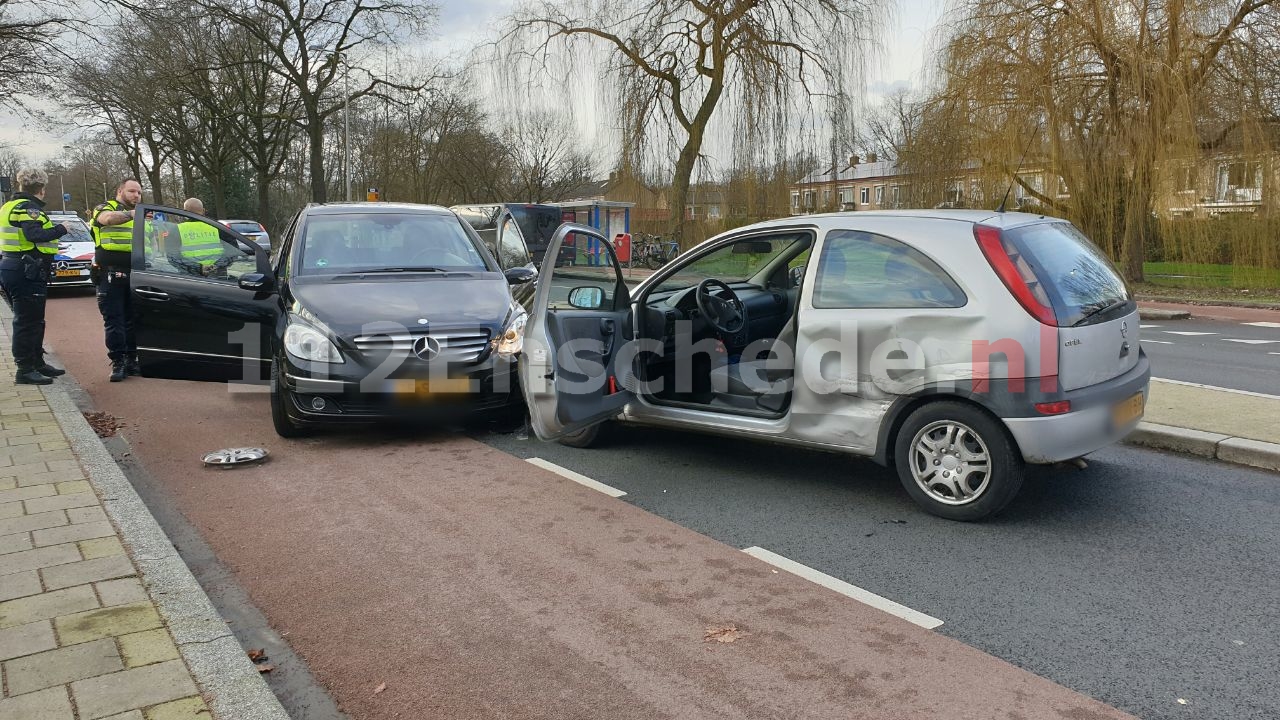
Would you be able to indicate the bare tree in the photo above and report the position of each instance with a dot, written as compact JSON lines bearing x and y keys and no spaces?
{"x":678,"y":61}
{"x":890,"y":129}
{"x":29,"y":32}
{"x":1099,"y":92}
{"x":546,"y":156}
{"x":314,"y":44}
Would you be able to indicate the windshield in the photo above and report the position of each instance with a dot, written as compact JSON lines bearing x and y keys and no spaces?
{"x":1078,"y":277}
{"x":733,"y":263}
{"x":334,"y":244}
{"x":79,"y":231}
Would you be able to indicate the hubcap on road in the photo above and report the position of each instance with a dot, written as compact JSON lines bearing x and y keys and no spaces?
{"x":950,"y":462}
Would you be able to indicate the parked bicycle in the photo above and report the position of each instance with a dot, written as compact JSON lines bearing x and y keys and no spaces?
{"x":652,"y":251}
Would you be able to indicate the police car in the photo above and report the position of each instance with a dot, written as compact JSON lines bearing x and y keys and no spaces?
{"x":71,"y":266}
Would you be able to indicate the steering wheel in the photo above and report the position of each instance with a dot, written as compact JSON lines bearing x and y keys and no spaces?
{"x":726,"y":314}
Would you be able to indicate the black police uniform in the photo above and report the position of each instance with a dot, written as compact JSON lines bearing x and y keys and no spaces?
{"x":25,"y":277}
{"x":115,"y":302}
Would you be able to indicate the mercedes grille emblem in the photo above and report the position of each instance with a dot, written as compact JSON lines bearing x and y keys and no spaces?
{"x":426,"y":347}
{"x":62,"y":265}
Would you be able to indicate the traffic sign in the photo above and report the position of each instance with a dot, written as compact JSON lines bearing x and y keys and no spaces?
{"x":66,"y":197}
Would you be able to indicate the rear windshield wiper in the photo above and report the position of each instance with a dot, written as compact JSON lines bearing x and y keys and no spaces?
{"x":1098,"y":308}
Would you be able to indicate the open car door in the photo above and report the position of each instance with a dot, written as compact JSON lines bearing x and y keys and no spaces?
{"x":569,"y":368}
{"x":203,"y":298}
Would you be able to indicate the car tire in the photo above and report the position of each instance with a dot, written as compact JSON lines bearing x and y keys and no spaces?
{"x":284,"y":424}
{"x":587,"y":437}
{"x":953,"y":439}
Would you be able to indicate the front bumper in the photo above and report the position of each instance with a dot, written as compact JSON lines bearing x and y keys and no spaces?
{"x":1054,"y":438}
{"x":324,"y":395}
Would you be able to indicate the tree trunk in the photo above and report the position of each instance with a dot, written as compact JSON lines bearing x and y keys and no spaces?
{"x":264,"y":198}
{"x":188,"y":177}
{"x":315,"y":137}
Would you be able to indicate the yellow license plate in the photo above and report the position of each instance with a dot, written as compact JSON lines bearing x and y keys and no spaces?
{"x":429,"y":388}
{"x":67,"y":273}
{"x":1128,"y":410}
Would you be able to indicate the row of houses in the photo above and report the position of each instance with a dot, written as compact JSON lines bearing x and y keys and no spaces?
{"x":1218,"y":184}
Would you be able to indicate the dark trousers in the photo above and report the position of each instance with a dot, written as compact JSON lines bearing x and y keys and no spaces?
{"x":27,"y":298}
{"x":115,"y":302}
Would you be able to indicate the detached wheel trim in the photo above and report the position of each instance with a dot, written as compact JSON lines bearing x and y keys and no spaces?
{"x":950,"y":462}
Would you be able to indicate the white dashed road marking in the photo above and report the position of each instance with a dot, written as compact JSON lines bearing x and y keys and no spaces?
{"x":1215,"y":387}
{"x":1251,"y":342}
{"x":1264,"y":324}
{"x":1159,"y":342}
{"x":1145,"y":327}
{"x":912,"y":616}
{"x":1188,"y":332}
{"x":576,"y":477}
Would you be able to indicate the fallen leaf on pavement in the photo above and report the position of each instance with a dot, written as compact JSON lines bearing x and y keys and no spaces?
{"x":103,"y":425}
{"x":265,"y":668}
{"x":723,"y":633}
{"x":380,"y":688}
{"x":258,"y":655}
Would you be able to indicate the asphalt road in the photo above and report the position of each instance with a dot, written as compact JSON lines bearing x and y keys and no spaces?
{"x":420,"y":574}
{"x":1144,"y":579}
{"x":1223,"y":354}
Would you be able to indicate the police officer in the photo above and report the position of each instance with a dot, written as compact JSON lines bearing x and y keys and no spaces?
{"x":112,"y":226}
{"x":200,"y":248}
{"x":29,"y":240}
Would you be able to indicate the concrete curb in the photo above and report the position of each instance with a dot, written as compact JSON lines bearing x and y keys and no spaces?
{"x":1241,"y":451}
{"x":1162,"y":314}
{"x":230,"y":683}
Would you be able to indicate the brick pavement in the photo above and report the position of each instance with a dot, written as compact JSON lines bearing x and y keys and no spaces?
{"x":79,"y":635}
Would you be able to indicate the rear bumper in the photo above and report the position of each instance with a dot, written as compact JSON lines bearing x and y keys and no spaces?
{"x":1048,"y":439}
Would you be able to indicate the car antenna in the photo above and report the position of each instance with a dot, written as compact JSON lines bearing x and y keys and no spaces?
{"x":1025,"y":146}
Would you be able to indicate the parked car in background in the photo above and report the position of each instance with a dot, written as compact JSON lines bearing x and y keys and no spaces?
{"x":251,"y":229}
{"x":954,"y":345}
{"x":72,"y":265}
{"x":368,"y":312}
{"x":506,"y":230}
{"x":536,"y":223}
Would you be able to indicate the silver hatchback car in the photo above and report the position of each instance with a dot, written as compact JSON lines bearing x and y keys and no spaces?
{"x":956,"y":346}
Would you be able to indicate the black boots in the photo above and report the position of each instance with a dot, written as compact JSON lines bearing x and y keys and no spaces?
{"x":50,"y":371}
{"x":118,"y":371}
{"x":131,"y":367}
{"x":32,"y":377}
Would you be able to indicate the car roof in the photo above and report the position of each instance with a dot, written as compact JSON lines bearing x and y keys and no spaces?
{"x":986,"y":217}
{"x":346,"y":208}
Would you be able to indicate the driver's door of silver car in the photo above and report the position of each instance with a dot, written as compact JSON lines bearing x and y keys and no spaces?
{"x":569,"y":369}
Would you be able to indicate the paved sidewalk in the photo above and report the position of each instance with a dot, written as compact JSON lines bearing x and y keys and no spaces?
{"x":81,"y":636}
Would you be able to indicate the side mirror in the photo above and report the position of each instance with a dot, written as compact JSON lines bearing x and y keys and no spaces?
{"x":587,"y":297}
{"x":797,"y":275}
{"x":520,"y":275}
{"x":257,"y":282}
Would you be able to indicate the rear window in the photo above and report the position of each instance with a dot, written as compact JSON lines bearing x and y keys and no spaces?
{"x":537,"y":224}
{"x":246,"y":227}
{"x":377,"y":241}
{"x":1078,"y":278}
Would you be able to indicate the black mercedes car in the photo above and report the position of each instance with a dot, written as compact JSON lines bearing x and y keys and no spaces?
{"x":370,"y":312}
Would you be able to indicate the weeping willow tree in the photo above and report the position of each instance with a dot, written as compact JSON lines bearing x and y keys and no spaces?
{"x":1108,"y":95}
{"x":683,"y":74}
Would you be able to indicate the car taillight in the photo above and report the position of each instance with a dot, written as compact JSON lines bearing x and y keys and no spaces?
{"x":1060,"y":407}
{"x":260,"y":228}
{"x":1016,"y":273}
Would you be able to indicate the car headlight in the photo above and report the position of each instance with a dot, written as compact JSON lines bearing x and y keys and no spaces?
{"x":307,"y":343}
{"x":509,"y":343}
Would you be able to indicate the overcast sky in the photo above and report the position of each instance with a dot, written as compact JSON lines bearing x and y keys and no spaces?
{"x":463,"y":23}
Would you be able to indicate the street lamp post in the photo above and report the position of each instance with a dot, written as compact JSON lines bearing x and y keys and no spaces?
{"x":84,"y":168}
